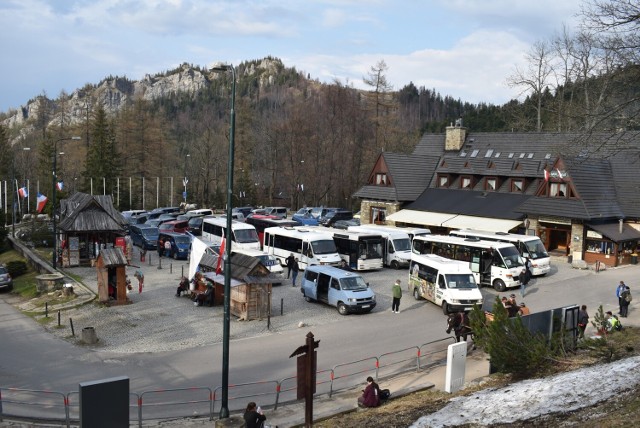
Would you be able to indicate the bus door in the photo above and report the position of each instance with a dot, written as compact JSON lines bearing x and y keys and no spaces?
{"x":476,"y":264}
{"x":388,"y":251}
{"x":306,"y":255}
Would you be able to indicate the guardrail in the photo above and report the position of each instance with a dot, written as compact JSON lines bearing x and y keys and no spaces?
{"x":172,"y":403}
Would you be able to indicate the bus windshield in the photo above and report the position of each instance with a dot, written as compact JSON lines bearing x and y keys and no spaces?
{"x":460,"y":281}
{"x":244,"y":236}
{"x":353,"y":284}
{"x":511,"y":257}
{"x":371,"y":249}
{"x":536,"y":249}
{"x":326,"y":246}
{"x":402,"y":244}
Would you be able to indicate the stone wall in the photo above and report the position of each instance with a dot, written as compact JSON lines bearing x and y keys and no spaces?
{"x":365,"y":209}
{"x":577,"y":241}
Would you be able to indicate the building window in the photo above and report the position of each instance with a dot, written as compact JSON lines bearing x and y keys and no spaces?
{"x":558,"y":190}
{"x":378,"y":215}
{"x":489,"y":153}
{"x":492,"y":184}
{"x":465,"y":182}
{"x":443,"y":181}
{"x":381,"y":179}
{"x":517,"y":185}
{"x":475,"y":153}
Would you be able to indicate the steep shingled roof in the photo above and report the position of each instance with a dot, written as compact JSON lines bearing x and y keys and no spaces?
{"x":410,"y":174}
{"x":86,"y":213}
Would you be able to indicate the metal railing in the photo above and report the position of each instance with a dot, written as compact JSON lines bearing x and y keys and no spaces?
{"x":172,"y":403}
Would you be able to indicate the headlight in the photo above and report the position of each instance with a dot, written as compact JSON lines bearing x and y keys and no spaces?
{"x":351,"y":300}
{"x":455,"y":301}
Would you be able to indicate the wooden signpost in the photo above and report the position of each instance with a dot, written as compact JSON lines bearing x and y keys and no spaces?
{"x":306,"y":375}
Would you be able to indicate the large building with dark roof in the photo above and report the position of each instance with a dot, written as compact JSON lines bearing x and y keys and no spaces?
{"x":579,"y":194}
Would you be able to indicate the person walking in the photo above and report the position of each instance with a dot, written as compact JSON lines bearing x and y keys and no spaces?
{"x":160,"y":247}
{"x":396,"y":292}
{"x":294,"y":272}
{"x":289,"y":261}
{"x":140,"y":276}
{"x":524,"y":281}
{"x":622,"y":287}
{"x":583,"y":320}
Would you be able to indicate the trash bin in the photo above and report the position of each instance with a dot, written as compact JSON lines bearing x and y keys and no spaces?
{"x":634,"y":259}
{"x":570,"y":258}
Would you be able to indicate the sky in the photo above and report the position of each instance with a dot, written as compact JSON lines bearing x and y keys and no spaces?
{"x":528,"y":399}
{"x":462,"y":48}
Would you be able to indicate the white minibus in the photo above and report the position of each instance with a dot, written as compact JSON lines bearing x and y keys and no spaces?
{"x":411,"y":231}
{"x":529,"y":246}
{"x":448,"y":283}
{"x":243,"y":235}
{"x":396,"y":251}
{"x":361,"y":250}
{"x":309,"y":246}
{"x":495,"y":264}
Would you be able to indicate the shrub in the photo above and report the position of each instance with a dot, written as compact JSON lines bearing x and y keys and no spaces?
{"x":16,"y":268}
{"x":510,"y":345}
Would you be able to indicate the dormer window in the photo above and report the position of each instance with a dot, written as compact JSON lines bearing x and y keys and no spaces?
{"x":558,"y":190}
{"x":517,"y":185}
{"x":466,"y":182}
{"x":491,"y":184}
{"x":443,"y":181}
{"x":381,"y":179}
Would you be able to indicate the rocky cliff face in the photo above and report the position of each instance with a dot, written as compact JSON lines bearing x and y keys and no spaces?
{"x":116,"y":92}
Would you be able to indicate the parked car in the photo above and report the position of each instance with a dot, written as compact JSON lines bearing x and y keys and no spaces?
{"x":176,"y":226}
{"x":195,"y":226}
{"x":344,"y":224}
{"x":244,"y":210}
{"x":153,"y":222}
{"x":333,"y":216}
{"x":6,"y":282}
{"x":269,"y":261}
{"x":144,"y":236}
{"x":281,"y":212}
{"x":180,"y":244}
{"x":199,"y":213}
{"x":305,"y":217}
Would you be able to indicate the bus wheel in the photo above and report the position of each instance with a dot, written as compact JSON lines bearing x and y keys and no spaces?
{"x":342,"y":308}
{"x":499,"y":285}
{"x":416,"y":294}
{"x":395,"y":265}
{"x":445,"y":308}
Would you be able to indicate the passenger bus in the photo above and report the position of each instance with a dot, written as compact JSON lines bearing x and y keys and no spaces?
{"x":396,"y":251}
{"x":529,"y":246}
{"x":261,"y":222}
{"x":242,"y":235}
{"x":309,"y":246}
{"x":361,"y":250}
{"x":495,"y":264}
{"x":411,"y":231}
{"x":448,"y":283}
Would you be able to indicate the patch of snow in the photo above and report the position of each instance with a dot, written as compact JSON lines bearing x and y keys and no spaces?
{"x":528,"y":399}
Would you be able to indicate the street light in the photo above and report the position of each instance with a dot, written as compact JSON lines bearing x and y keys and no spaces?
{"x":13,"y":192}
{"x":224,"y":409}
{"x":54,"y":257}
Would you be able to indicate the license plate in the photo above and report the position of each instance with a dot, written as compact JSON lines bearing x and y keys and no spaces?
{"x":364,"y":306}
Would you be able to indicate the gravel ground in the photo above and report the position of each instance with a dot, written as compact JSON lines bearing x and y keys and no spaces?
{"x":156,"y":317}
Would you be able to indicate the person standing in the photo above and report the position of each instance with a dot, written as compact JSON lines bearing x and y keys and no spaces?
{"x":583,"y":320}
{"x":625,"y":300}
{"x":621,"y":288}
{"x":294,"y":271}
{"x":396,"y":292}
{"x":254,"y":416}
{"x":160,"y":247}
{"x":524,"y":281}
{"x":140,"y":276}
{"x":289,"y":261}
{"x":167,"y":248}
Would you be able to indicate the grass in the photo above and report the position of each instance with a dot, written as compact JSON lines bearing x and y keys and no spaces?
{"x":23,"y":285}
{"x":403,"y":411}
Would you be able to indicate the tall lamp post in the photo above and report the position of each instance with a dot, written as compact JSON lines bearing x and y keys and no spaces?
{"x":54,"y":256}
{"x":14,"y":187}
{"x":224,"y":409}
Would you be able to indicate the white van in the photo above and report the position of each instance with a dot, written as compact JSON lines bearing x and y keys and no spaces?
{"x":243,"y":235}
{"x":397,"y":245}
{"x":199,"y":213}
{"x":269,"y":261}
{"x":448,"y":283}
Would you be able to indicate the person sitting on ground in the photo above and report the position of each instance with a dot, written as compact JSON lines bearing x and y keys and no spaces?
{"x":253,"y":416}
{"x":183,"y":286}
{"x":370,"y":395}
{"x":613,"y":323}
{"x":524,"y":310}
{"x":206,"y":297}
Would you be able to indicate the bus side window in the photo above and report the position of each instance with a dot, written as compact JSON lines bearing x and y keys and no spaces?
{"x":441,"y":282}
{"x":390,"y":250}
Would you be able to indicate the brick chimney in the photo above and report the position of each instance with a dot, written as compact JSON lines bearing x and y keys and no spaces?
{"x":455,"y":136}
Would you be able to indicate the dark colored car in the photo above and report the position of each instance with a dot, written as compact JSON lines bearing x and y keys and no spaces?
{"x":180,"y":244}
{"x":333,"y":216}
{"x":144,"y":236}
{"x":6,"y":282}
{"x":244,"y":210}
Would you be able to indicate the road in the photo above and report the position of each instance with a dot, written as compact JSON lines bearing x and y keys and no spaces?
{"x":34,"y":359}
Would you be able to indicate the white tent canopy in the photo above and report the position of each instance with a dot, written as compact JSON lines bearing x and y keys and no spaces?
{"x":453,"y":221}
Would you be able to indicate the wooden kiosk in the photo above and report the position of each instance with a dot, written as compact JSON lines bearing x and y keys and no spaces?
{"x":111,"y":267}
{"x":250,"y":287}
